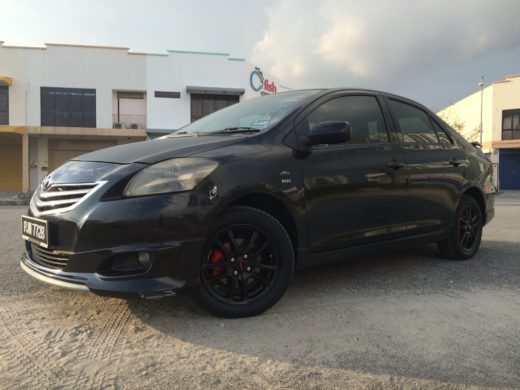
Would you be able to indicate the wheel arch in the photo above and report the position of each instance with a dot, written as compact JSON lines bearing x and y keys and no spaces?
{"x":274,"y":207}
{"x":476,"y":194}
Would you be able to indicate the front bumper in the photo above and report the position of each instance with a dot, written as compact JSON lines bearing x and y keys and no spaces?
{"x":52,"y":278}
{"x":170,"y":265}
{"x":90,"y":239}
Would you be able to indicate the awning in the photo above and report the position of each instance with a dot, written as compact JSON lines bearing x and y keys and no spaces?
{"x":215,"y":90}
{"x":12,"y":129}
{"x":4,"y":80}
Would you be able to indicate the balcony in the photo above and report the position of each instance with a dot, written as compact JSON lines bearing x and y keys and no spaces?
{"x":128,"y":109}
{"x":124,"y":121}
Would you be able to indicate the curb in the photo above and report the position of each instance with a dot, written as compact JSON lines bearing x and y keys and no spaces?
{"x":13,"y":202}
{"x":20,"y":199}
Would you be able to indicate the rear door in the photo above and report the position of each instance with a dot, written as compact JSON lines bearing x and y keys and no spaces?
{"x":355,"y":191}
{"x":436,"y":167}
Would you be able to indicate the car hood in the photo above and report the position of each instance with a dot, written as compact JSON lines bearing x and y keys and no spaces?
{"x":151,"y":152}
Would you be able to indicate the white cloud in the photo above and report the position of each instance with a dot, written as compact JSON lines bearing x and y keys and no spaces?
{"x":337,"y":45}
{"x":381,"y":43}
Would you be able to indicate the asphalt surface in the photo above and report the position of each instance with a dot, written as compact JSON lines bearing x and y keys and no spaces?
{"x":404,"y":319}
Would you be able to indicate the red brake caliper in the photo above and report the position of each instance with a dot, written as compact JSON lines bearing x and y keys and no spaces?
{"x":459,"y":233}
{"x":216,"y":256}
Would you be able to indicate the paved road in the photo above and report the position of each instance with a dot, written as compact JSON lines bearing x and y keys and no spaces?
{"x":400,"y":320}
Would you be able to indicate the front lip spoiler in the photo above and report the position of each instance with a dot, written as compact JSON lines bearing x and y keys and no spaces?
{"x":147,"y":288}
{"x":56,"y":282}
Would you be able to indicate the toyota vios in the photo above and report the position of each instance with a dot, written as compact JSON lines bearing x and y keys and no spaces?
{"x":230,"y":205}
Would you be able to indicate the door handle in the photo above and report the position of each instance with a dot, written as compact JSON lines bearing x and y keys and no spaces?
{"x":456,"y":162}
{"x":394,"y":164}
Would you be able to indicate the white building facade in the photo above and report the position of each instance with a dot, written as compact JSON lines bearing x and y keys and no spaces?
{"x":59,"y":101}
{"x":498,"y":107}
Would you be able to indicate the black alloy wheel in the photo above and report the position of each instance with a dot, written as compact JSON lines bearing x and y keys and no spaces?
{"x":240,"y":264}
{"x":468,"y":226}
{"x":247,"y":263}
{"x":465,"y":235}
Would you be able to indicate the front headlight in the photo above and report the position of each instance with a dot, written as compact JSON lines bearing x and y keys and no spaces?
{"x":178,"y":174}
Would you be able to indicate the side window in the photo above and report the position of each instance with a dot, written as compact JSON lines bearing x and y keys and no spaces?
{"x":362,"y":112}
{"x":444,"y":138}
{"x":414,"y":124}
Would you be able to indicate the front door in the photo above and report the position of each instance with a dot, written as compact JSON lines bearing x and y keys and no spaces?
{"x":355,"y":191}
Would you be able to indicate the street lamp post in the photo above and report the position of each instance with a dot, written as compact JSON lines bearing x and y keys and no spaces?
{"x":481,"y":85}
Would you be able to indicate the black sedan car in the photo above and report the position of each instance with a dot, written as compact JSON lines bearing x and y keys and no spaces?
{"x":230,"y":205}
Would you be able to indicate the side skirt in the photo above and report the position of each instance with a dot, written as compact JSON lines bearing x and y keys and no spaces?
{"x":307,"y":258}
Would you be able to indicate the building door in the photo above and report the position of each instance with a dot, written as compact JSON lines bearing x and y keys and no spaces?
{"x":10,"y":162}
{"x":63,"y":150}
{"x":4,"y":105}
{"x":509,"y":169}
{"x":205,"y":104}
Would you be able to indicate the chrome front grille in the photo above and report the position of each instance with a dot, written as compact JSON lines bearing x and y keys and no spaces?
{"x":59,"y":197}
{"x":55,"y":259}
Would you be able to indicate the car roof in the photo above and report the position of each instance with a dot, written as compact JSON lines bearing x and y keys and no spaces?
{"x":326,"y":91}
{"x":320,"y":92}
{"x":454,"y":133}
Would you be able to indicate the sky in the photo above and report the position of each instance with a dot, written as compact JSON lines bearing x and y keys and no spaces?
{"x":433,"y":51}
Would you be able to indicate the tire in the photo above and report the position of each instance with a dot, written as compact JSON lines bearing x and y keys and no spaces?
{"x":465,"y":234}
{"x":247,"y":264}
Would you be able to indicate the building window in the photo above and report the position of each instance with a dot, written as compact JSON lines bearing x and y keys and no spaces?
{"x":68,"y":107}
{"x":4,"y":105}
{"x":167,"y":94}
{"x":511,"y":124}
{"x":205,"y":104}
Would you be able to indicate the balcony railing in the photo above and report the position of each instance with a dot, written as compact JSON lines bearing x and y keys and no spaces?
{"x":124,"y":121}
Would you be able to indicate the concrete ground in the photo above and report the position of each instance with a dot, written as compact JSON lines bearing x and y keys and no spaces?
{"x":406,"y":319}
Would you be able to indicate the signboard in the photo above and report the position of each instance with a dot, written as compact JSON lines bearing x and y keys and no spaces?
{"x":260,"y":84}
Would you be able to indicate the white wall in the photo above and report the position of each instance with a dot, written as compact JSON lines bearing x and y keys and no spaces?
{"x":499,"y":96}
{"x":80,"y":67}
{"x":13,"y":64}
{"x":179,"y":70}
{"x":111,"y":69}
{"x":506,"y":96}
{"x":467,"y":111}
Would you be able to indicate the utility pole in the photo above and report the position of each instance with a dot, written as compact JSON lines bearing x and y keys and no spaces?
{"x":481,"y":85}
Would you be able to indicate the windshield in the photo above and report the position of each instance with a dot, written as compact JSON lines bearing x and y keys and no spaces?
{"x":252,"y":115}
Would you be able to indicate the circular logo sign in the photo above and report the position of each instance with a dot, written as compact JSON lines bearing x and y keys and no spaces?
{"x":256,"y":79}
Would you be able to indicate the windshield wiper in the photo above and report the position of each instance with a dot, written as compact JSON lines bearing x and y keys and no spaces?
{"x":234,"y":130}
{"x":185,"y":132}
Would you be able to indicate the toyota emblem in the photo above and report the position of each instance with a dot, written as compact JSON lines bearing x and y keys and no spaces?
{"x":46,"y":183}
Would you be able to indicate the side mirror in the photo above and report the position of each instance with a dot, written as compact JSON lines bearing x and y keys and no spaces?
{"x":330,"y":132}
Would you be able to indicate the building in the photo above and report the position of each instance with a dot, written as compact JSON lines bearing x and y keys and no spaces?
{"x":500,"y":104}
{"x":59,"y":101}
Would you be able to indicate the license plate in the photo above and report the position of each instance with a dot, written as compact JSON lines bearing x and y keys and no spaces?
{"x":35,"y":230}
